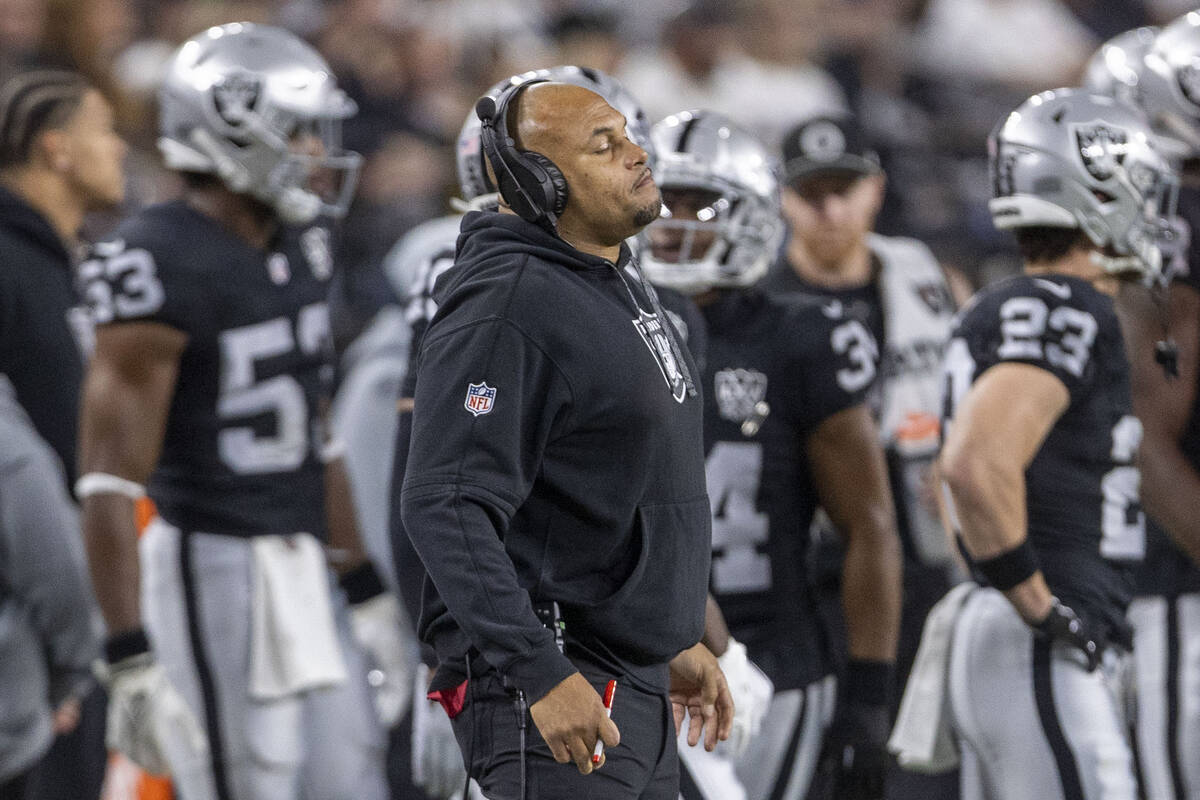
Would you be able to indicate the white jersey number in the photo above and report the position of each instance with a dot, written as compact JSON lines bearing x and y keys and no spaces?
{"x":123,"y":286}
{"x":1024,"y":321}
{"x":733,"y":472}
{"x":852,"y":340}
{"x":241,"y":447}
{"x":1122,"y":522}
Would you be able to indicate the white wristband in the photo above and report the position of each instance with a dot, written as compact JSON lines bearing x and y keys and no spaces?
{"x":103,"y":483}
{"x":333,"y":450}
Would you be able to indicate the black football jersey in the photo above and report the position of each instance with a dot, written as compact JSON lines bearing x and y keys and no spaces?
{"x":1168,"y":570}
{"x":241,"y":449}
{"x":776,"y":368}
{"x":1084,"y":519}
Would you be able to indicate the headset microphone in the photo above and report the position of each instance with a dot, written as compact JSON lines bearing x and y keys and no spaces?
{"x":485,"y":109}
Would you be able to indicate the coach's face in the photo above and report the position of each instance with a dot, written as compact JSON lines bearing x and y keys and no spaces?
{"x":612,"y":194}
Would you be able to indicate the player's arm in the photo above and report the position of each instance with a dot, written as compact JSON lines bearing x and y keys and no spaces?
{"x":345,"y":539}
{"x":850,"y":476}
{"x":375,"y":615}
{"x":997,"y":430}
{"x":126,"y":396}
{"x":1170,"y":482}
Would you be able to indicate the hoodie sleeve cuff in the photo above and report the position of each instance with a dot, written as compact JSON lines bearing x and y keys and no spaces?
{"x":540,"y":671}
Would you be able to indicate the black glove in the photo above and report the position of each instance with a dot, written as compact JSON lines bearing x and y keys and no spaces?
{"x":1064,"y":625}
{"x":853,"y":759}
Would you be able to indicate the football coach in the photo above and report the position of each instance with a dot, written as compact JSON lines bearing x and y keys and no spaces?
{"x":555,"y":483}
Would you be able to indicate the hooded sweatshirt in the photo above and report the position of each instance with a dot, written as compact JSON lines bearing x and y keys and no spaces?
{"x":40,"y":324}
{"x":557,"y":455}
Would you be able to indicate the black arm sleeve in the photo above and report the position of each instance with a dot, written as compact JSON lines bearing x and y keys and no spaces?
{"x":470,"y":468}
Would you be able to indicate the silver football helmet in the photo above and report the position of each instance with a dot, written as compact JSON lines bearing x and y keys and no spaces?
{"x":472,"y":177}
{"x":260,"y":109}
{"x":1071,"y":159}
{"x":1169,"y":88}
{"x":1116,"y":68}
{"x":731,"y":228}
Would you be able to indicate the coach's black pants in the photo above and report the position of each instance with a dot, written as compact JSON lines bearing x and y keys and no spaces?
{"x":644,"y":766}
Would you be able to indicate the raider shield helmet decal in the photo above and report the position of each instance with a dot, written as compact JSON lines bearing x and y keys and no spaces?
{"x":1102,"y":148}
{"x":236,"y":96}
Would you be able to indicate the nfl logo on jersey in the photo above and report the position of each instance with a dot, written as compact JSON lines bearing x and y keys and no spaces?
{"x":480,"y":397}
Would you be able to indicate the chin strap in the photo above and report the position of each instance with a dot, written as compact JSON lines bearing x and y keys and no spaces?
{"x":1166,"y":352}
{"x":1119,"y":266}
{"x":484,"y":202}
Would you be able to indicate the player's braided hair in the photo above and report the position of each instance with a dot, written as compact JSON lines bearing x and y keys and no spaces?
{"x":32,"y":102}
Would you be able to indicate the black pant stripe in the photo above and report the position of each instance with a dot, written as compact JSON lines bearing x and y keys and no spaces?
{"x":687,"y":784}
{"x":1172,"y":691}
{"x":1043,"y":692}
{"x":208,"y":688}
{"x":784,"y":775}
{"x":1139,"y":772}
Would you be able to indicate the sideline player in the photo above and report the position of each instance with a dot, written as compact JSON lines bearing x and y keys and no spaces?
{"x":1039,"y":454}
{"x":832,"y":193}
{"x":230,"y":654}
{"x":786,"y":429}
{"x":1150,"y":68}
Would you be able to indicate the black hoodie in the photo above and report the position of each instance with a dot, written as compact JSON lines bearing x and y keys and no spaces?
{"x":557,"y":454}
{"x":39,"y":349}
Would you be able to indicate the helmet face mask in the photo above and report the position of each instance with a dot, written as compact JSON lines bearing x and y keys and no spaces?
{"x":694,"y":220}
{"x":259,"y":108}
{"x":720,"y":225}
{"x":1070,"y":159}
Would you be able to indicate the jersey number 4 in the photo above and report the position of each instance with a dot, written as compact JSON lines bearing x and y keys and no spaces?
{"x":733,"y":472}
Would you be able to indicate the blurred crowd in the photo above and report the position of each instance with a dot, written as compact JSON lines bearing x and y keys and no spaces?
{"x":927,"y":79}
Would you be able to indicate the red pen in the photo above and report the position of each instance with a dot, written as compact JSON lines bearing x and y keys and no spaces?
{"x":609,"y":691}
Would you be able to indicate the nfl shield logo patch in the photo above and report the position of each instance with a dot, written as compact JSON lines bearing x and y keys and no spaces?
{"x":480,"y":397}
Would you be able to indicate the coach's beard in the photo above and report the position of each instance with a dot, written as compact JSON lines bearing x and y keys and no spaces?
{"x":648,"y":213}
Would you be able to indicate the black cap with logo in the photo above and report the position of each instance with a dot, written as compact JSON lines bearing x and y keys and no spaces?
{"x":824,"y":146}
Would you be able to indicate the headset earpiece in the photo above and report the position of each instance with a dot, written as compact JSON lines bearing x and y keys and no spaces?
{"x":530,"y":183}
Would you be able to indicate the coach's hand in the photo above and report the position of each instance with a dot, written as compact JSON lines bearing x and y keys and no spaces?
{"x":571,"y":717}
{"x":698,"y":688}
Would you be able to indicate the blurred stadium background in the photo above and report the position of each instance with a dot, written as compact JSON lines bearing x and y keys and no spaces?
{"x":927,"y":79}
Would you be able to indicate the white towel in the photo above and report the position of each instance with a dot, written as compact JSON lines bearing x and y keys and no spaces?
{"x":923,"y":739}
{"x":294,"y":643}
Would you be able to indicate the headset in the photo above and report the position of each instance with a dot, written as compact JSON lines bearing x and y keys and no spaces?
{"x":529,"y":182}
